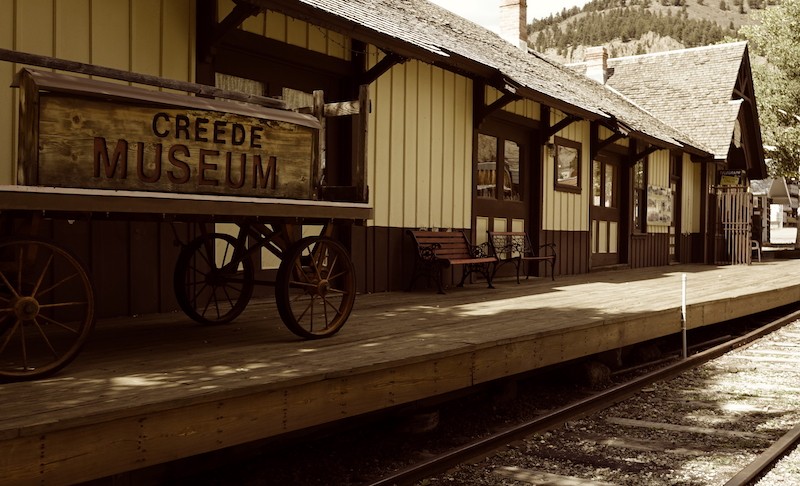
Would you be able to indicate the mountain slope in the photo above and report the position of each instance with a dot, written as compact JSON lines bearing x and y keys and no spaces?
{"x":628,"y":27}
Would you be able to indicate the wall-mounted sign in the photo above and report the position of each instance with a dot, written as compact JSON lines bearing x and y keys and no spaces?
{"x":659,"y":206}
{"x":89,"y":134}
{"x":731,"y":177}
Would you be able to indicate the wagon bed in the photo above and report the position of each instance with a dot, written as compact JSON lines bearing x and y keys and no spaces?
{"x":163,"y":205}
{"x":93,"y":150}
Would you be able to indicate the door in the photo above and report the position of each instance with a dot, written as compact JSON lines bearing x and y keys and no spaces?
{"x":502,"y":189}
{"x":605,"y":212}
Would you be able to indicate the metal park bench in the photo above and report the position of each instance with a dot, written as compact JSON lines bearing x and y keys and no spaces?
{"x":437,"y":250}
{"x":515,"y":247}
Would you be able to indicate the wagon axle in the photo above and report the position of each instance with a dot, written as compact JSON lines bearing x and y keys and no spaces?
{"x":26,"y":308}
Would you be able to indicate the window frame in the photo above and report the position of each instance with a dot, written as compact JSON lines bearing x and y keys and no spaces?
{"x":639,"y":222}
{"x":557,"y":184}
{"x":499,"y":169}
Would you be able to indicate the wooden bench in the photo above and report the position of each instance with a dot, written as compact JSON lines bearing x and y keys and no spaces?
{"x":515,"y":247}
{"x":437,"y":250}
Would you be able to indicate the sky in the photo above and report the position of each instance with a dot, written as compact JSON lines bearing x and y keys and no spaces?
{"x":486,"y":12}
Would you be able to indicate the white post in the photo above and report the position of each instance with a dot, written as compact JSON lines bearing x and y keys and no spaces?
{"x":683,"y":315}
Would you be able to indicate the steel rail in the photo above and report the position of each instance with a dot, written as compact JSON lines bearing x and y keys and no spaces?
{"x":764,"y":461}
{"x":600,"y":401}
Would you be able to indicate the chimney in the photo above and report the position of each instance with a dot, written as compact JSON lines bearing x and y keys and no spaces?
{"x":597,"y":63}
{"x":513,"y":22}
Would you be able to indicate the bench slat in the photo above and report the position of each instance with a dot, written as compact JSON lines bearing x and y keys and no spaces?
{"x":444,"y":248}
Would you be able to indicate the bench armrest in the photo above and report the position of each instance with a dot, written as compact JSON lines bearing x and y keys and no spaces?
{"x":550,"y":246}
{"x":428,"y":252}
{"x":479,"y":251}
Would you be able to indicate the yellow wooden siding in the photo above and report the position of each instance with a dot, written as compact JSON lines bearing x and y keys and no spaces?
{"x":146,"y":36}
{"x":292,"y":31}
{"x":691,"y":195}
{"x":567,"y":211}
{"x":525,"y":108}
{"x":658,"y":176}
{"x":110,"y":34}
{"x":8,"y":101}
{"x":420,"y":147}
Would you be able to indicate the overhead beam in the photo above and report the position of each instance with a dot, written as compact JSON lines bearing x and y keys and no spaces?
{"x":137,"y":78}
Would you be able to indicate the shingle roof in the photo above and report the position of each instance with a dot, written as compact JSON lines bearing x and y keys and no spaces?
{"x":686,"y":88}
{"x":438,"y":35}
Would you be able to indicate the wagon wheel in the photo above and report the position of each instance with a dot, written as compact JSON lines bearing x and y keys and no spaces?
{"x":46,"y":308}
{"x":213,"y":279}
{"x":316,"y":287}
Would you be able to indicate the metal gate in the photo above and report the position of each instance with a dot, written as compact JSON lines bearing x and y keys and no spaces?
{"x":734,"y":218}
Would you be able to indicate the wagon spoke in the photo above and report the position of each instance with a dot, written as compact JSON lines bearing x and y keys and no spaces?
{"x":309,"y":306}
{"x":41,"y":275}
{"x":332,"y":265}
{"x":310,"y":314}
{"x":24,"y":347}
{"x":227,"y":295}
{"x":62,"y":304}
{"x":57,"y":284}
{"x":334,"y":307}
{"x":197,"y":294}
{"x":206,"y":251}
{"x":337,"y":275}
{"x":325,"y":309}
{"x":44,"y":337}
{"x":302,"y":285}
{"x":211,"y":296}
{"x":8,"y":284}
{"x":9,"y":335}
{"x":59,"y":324}
{"x":299,"y":269}
{"x":317,"y":258}
{"x":19,"y":267}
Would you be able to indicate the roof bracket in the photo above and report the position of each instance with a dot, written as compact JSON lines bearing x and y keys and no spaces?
{"x":240,"y":13}
{"x":500,"y":102}
{"x":564,"y":123}
{"x":644,"y":153}
{"x":601,"y":144}
{"x":381,"y":67}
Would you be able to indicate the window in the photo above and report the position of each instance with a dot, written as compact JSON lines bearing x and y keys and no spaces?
{"x":567,"y":162}
{"x":639,"y":196}
{"x":487,"y":166}
{"x":498,"y":158}
{"x":512,"y":190}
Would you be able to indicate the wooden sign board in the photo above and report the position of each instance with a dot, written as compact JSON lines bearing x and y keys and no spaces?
{"x":83,"y":133}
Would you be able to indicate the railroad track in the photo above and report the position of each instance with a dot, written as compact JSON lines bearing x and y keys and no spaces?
{"x":721,"y":416}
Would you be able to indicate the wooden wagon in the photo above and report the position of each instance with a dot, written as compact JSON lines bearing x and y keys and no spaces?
{"x":95,"y":149}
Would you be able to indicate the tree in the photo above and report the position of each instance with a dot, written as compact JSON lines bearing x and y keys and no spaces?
{"x":776,"y":75}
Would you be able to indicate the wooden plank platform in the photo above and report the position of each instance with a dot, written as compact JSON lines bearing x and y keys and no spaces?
{"x":151,"y":389}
